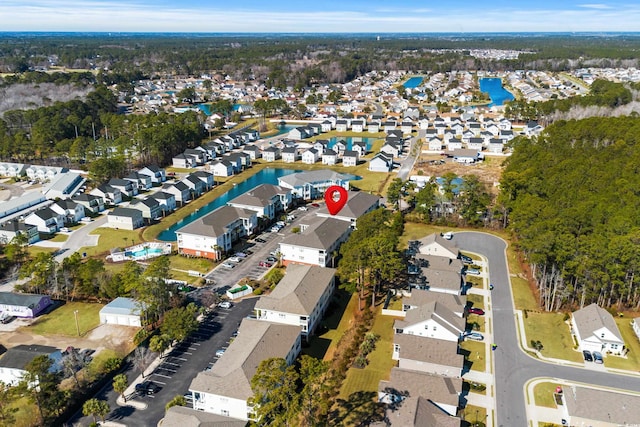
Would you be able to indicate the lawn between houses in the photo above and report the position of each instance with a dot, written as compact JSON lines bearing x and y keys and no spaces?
{"x":62,"y":320}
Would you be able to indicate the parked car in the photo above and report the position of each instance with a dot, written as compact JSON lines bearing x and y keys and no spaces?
{"x":234,"y":259}
{"x":274,"y":253}
{"x":597,"y":357}
{"x":265,"y":264}
{"x":272,"y":259}
{"x":302,"y":208}
{"x":147,"y":387}
{"x":475,"y":310}
{"x":220,"y":352}
{"x":477,"y":336}
{"x":225,"y":304}
{"x":448,"y":235}
{"x":228,"y":265}
{"x":241,"y":255}
{"x":275,"y":229}
{"x":466,"y":259}
{"x":587,"y":356}
{"x":6,"y":318}
{"x":260,"y":240}
{"x":473,"y":271}
{"x":315,"y":205}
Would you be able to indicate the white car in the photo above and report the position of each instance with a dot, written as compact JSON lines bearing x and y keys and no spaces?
{"x":234,"y":259}
{"x":448,"y":235}
{"x":225,"y":304}
{"x":302,"y":208}
{"x":228,"y":265}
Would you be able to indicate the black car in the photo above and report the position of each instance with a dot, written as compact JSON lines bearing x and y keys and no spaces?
{"x":466,"y":259}
{"x":260,"y":240}
{"x":587,"y":356}
{"x":597,"y":357}
{"x":147,"y":387}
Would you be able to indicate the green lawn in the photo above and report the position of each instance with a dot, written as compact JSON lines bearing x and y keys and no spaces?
{"x":632,"y":360}
{"x":35,"y":250}
{"x":476,"y":300}
{"x":474,"y":414}
{"x":336,"y":321}
{"x":551,"y":330}
{"x":477,"y":354}
{"x":27,"y":414}
{"x":61,"y":321}
{"x":543,"y":394}
{"x":415,"y":231}
{"x":380,"y":361}
{"x":58,"y":238}
{"x":477,"y":322}
{"x":201,"y":265}
{"x":111,"y":238}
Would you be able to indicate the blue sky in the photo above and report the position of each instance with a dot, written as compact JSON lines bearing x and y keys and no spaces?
{"x":370,"y":16}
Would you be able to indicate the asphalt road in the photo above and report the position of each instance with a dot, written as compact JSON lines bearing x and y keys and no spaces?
{"x":407,"y":164}
{"x":80,"y":238}
{"x":513,"y":367}
{"x":176,"y":371}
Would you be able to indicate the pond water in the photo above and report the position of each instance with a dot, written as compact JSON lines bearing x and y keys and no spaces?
{"x":349,"y":141}
{"x":498,"y":94}
{"x":413,"y":82}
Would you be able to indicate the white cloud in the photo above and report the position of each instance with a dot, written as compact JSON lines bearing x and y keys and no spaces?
{"x":595,"y":6}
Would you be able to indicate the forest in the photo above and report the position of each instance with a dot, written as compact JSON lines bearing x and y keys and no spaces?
{"x":573,"y":200}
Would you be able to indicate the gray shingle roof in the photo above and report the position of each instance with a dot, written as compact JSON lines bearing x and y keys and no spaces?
{"x":593,"y":317}
{"x":455,"y":303}
{"x":215,"y":223}
{"x":312,"y":177}
{"x":321,"y":234}
{"x":436,"y":388}
{"x":430,"y":350}
{"x":19,"y":356}
{"x":608,"y":407}
{"x":181,"y":416}
{"x":358,"y":203}
{"x":260,"y":196}
{"x":436,"y":311}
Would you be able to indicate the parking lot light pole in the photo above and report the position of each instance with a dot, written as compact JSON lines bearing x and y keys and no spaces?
{"x":75,"y":314}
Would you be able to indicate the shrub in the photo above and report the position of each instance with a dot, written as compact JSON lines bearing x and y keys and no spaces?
{"x":257,"y":291}
{"x":140,"y":336}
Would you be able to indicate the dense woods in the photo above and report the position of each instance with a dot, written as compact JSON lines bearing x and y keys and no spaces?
{"x":573,"y":201}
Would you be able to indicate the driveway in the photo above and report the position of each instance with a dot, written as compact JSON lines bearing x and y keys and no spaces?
{"x":513,"y":367}
{"x":81,"y":237}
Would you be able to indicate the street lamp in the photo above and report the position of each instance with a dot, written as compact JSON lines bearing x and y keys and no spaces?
{"x":75,"y":314}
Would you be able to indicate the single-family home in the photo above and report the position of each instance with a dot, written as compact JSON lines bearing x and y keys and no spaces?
{"x":310,"y":156}
{"x":360,"y":147}
{"x":339,"y":146}
{"x":300,"y":299}
{"x":167,"y":201}
{"x":142,"y":181}
{"x":72,"y":211}
{"x":430,"y":355}
{"x":180,"y":191}
{"x":23,"y":305}
{"x":126,"y":187}
{"x":122,"y":311}
{"x":195,"y":184}
{"x":357,"y":125}
{"x":222,"y":168}
{"x":392,"y":149}
{"x":271,"y":154}
{"x":253,"y":151}
{"x":432,"y":320}
{"x":591,"y":406}
{"x":329,"y":157}
{"x":226,"y":387}
{"x":350,"y":158}
{"x":206,"y":177}
{"x":46,"y":220}
{"x":317,"y":243}
{"x":199,"y":154}
{"x":464,"y":155}
{"x":475,"y":144}
{"x":10,"y":229}
{"x":342,"y":125}
{"x":125,"y":218}
{"x":91,"y":203}
{"x":434,"y":244}
{"x":300,"y":132}
{"x":214,"y":234}
{"x":596,"y":330}
{"x":13,"y":364}
{"x":495,"y":146}
{"x":419,"y":297}
{"x":150,"y":208}
{"x":266,"y":200}
{"x":110,"y":194}
{"x":326,"y":126}
{"x":290,"y":155}
{"x":435,"y":144}
{"x":183,"y":161}
{"x":381,"y":162}
{"x":157,"y":174}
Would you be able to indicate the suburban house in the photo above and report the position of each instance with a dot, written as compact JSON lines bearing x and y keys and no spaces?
{"x":225,"y":389}
{"x":183,"y":161}
{"x":444,"y":281}
{"x":14,"y":362}
{"x":434,"y":244}
{"x":290,"y":155}
{"x":126,"y":187}
{"x":10,"y":229}
{"x":91,"y":203}
{"x":149,"y":207}
{"x":121,"y":311}
{"x":495,"y":146}
{"x":182,"y":416}
{"x":310,"y":156}
{"x":329,"y":157}
{"x":12,"y":169}
{"x":214,"y":234}
{"x":195,"y":184}
{"x":73,"y":212}
{"x":46,"y":220}
{"x":418,"y":298}
{"x":430,"y":355}
{"x":44,"y":173}
{"x":266,"y":199}
{"x":253,"y":151}
{"x":110,"y":194}
{"x":596,"y":330}
{"x":271,"y":154}
{"x":432,"y":320}
{"x":206,"y":177}
{"x":125,"y":218}
{"x":435,"y":144}
{"x":423,"y":396}
{"x":167,"y":201}
{"x":143,"y":182}
{"x":350,"y":158}
{"x":381,"y":162}
{"x":300,"y":299}
{"x":636,"y":326}
{"x":222,"y":168}
{"x":179,"y":190}
{"x":311,"y":185}
{"x":317,"y":243}
{"x":158,"y":175}
{"x":199,"y":154}
{"x":586,"y":406}
{"x":23,"y":305}
{"x":358,"y":204}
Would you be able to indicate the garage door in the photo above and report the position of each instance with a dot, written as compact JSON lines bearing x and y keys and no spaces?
{"x":111,"y":319}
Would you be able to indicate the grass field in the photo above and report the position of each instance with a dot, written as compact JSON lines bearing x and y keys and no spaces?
{"x":474,"y":414}
{"x":632,"y":360}
{"x":111,"y":238}
{"x":61,"y":321}
{"x":552,"y":331}
{"x":476,"y":355}
{"x":543,"y":394}
{"x":337,"y":320}
{"x":380,"y":361}
{"x":201,"y":265}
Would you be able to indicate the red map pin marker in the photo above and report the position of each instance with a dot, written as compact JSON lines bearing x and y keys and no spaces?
{"x":335,"y":197}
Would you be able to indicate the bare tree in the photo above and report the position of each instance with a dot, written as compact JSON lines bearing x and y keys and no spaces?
{"x":142,"y":357}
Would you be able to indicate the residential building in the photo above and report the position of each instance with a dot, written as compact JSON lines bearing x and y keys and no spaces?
{"x":317,"y":243}
{"x":13,"y":364}
{"x":329,"y":157}
{"x":358,"y":203}
{"x":271,"y":154}
{"x":13,"y":169}
{"x":381,"y":162}
{"x":183,"y":416}
{"x":419,"y":297}
{"x":72,"y":212}
{"x":44,"y":173}
{"x":46,"y":220}
{"x":290,"y":155}
{"x":125,"y":218}
{"x":167,"y":201}
{"x":195,"y":184}
{"x":27,"y":202}
{"x":350,"y":158}
{"x":149,"y":207}
{"x":206,"y":177}
{"x":157,"y":174}
{"x":596,"y":330}
{"x":311,"y":185}
{"x":179,"y":190}
{"x":587,"y":406}
{"x":226,"y":388}
{"x":430,"y":355}
{"x":300,"y":298}
{"x":10,"y":229}
{"x":91,"y":203}
{"x":432,"y":320}
{"x":126,"y":187}
{"x":222,"y":168}
{"x":310,"y":156}
{"x":183,"y":161}
{"x":266,"y":200}
{"x":23,"y":305}
{"x":110,"y":194}
{"x":434,"y":244}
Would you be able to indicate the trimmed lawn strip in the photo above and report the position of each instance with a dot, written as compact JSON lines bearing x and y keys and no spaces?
{"x":380,"y":361}
{"x":346,"y":320}
{"x":476,"y":356}
{"x":35,"y":250}
{"x":61,"y":321}
{"x":474,"y":414}
{"x":523,"y":299}
{"x":632,"y":360}
{"x":552,"y":331}
{"x":201,"y":265}
{"x":543,"y":394}
{"x":110,"y":238}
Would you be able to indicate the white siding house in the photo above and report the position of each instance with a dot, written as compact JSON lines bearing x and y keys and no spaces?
{"x":596,"y":330}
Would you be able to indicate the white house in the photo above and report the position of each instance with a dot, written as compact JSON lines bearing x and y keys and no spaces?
{"x":157,"y":174}
{"x":222,"y":168}
{"x":271,"y":154}
{"x":46,"y":220}
{"x":110,"y":194}
{"x":381,"y":162}
{"x":225,"y":389}
{"x":432,"y":320}
{"x":14,"y":362}
{"x":300,"y":298}
{"x":428,"y":355}
{"x":73,"y":212}
{"x":91,"y":203}
{"x":266,"y":200}
{"x":290,"y":154}
{"x":596,"y":330}
{"x":310,"y":156}
{"x":214,"y":234}
{"x":317,"y":243}
{"x":179,"y":190}
{"x":419,"y":297}
{"x":329,"y":157}
{"x":10,"y":229}
{"x":636,"y":326}
{"x":125,"y":218}
{"x":167,"y":201}
{"x":350,"y":158}
{"x":434,"y":244}
{"x":121,"y":311}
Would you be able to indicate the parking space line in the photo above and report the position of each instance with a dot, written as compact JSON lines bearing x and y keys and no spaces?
{"x":163,"y":376}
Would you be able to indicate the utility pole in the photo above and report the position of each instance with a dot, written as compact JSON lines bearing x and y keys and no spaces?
{"x":75,"y":314}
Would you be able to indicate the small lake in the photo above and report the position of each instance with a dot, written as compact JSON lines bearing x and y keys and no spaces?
{"x":349,"y":140}
{"x":265,"y":176}
{"x":413,"y":82}
{"x":498,"y":94}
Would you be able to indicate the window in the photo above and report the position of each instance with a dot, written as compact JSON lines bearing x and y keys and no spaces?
{"x":614,"y":346}
{"x":224,"y":412}
{"x":282,"y":315}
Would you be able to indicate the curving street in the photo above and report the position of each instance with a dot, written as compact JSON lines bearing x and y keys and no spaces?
{"x":513,"y":367}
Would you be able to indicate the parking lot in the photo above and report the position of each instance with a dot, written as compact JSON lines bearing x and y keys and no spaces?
{"x":182,"y":364}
